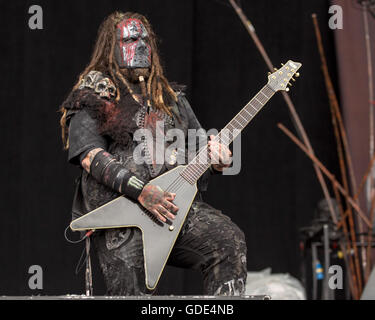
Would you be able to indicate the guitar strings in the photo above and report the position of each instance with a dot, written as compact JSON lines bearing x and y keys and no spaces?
{"x":175,"y":185}
{"x":179,"y":181}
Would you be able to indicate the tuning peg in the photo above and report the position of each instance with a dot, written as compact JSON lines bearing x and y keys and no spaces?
{"x":269,"y":73}
{"x":287,"y":89}
{"x":275,"y":69}
{"x":294,"y":80}
{"x":282,"y":64}
{"x":290,"y":85}
{"x":297,"y":74}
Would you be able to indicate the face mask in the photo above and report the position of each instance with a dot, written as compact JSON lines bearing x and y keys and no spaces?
{"x":132,"y":49}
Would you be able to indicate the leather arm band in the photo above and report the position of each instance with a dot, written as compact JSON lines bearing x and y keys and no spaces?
{"x":107,"y":170}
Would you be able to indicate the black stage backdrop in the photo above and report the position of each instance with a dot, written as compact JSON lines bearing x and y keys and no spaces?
{"x":203,"y":45}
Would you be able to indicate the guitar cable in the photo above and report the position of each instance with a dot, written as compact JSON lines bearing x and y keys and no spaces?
{"x":87,"y":234}
{"x":81,"y":262}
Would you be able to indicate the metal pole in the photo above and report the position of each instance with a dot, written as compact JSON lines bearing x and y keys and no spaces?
{"x":88,"y":274}
{"x":314,"y":256}
{"x":326,"y":295}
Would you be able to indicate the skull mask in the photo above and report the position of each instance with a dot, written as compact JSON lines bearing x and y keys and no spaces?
{"x":132,"y":49}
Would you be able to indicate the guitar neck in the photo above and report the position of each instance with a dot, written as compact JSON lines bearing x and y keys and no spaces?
{"x":197,"y":166}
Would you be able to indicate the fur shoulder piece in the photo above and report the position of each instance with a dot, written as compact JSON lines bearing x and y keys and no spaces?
{"x":84,"y":98}
{"x":102,"y":85}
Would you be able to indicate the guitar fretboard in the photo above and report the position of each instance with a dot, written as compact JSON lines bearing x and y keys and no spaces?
{"x":201,"y":163}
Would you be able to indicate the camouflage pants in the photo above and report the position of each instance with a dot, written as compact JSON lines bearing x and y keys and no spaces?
{"x":209,"y":241}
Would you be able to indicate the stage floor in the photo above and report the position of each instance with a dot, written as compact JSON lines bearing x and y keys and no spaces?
{"x":84,"y":297}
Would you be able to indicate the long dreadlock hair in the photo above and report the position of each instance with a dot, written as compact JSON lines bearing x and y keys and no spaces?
{"x":102,"y":59}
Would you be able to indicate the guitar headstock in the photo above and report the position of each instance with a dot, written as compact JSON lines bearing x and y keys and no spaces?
{"x":280,"y":79}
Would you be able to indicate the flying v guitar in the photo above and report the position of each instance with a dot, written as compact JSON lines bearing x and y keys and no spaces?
{"x":159,"y":238}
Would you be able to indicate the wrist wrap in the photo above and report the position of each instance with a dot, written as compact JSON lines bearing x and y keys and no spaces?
{"x":107,"y":170}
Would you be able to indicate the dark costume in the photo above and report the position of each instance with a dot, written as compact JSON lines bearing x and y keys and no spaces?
{"x":209,"y":241}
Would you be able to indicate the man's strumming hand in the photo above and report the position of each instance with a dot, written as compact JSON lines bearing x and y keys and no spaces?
{"x":158,"y":202}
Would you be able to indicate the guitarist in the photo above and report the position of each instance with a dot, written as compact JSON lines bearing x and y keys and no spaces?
{"x":121,"y":90}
